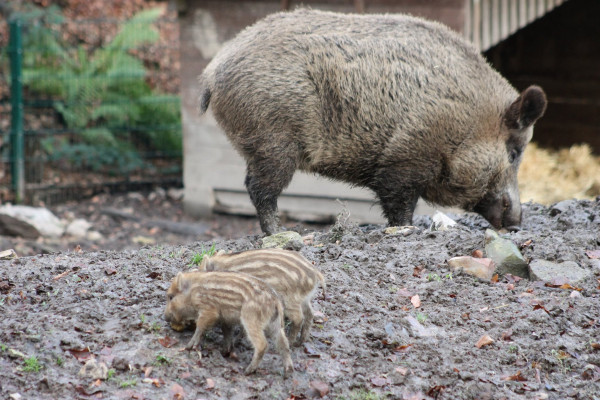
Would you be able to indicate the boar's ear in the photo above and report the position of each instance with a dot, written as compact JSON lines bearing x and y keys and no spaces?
{"x":208,"y":265}
{"x":180,"y":282}
{"x":526,"y":109}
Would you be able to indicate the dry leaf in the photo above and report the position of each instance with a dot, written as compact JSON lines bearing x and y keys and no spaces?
{"x":494,"y":279}
{"x":540,"y":307}
{"x":506,"y":335}
{"x":81,"y":354}
{"x":168,"y":341}
{"x":527,"y":243}
{"x":477,"y":254}
{"x":321,"y":387}
{"x":177,"y":392}
{"x":57,"y":277}
{"x":210,"y":384}
{"x":417,"y":271}
{"x":379,"y":381}
{"x":402,"y":371}
{"x":484,"y":341}
{"x":593,"y":253}
{"x":416,"y":301}
{"x":516,"y":377}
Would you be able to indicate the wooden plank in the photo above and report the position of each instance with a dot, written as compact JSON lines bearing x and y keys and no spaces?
{"x":504,"y":19}
{"x":477,"y":24}
{"x":514,"y":15}
{"x":531,"y":10}
{"x":494,"y":22}
{"x":485,"y":25}
{"x":468,"y":27}
{"x":522,"y":13}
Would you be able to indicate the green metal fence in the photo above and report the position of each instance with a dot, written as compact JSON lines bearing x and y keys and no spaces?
{"x":86,"y":107}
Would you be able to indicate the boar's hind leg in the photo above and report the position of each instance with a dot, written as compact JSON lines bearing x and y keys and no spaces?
{"x":265,"y":181}
{"x":307,"y":321}
{"x":257,"y":337}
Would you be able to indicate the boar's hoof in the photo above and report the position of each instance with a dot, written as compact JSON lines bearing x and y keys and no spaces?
{"x":288,"y":371}
{"x":250,"y":370}
{"x":513,"y":228}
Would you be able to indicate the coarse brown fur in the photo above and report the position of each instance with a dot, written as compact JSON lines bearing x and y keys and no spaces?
{"x":398,"y":104}
{"x":230,"y":299}
{"x":292,"y":276}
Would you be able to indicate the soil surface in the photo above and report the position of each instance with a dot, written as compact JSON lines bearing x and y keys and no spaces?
{"x":372,"y":337}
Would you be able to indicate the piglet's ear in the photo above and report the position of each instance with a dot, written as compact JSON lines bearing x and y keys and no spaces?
{"x":180,"y":282}
{"x":206,"y":265}
{"x":526,"y":109}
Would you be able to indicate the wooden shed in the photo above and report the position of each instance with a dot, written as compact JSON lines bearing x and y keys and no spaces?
{"x":214,"y":173}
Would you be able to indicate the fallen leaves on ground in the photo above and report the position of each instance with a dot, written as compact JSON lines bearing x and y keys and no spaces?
{"x":321,"y":387}
{"x":484,"y":341}
{"x":416,"y":301}
{"x":516,"y":377}
{"x":593,"y":253}
{"x":168,"y":341}
{"x":177,"y":392}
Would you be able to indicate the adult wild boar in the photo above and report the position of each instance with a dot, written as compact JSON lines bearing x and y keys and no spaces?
{"x":397,"y":104}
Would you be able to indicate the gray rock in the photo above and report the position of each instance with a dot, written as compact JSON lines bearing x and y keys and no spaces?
{"x":46,"y":223}
{"x":505,"y":254}
{"x":94,"y":370}
{"x":562,"y":206}
{"x":281,"y":239}
{"x":543,"y":270}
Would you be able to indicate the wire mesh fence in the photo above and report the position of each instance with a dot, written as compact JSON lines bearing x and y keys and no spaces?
{"x":85,"y":106}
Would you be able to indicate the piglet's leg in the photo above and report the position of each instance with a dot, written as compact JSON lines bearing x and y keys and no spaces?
{"x":206,"y":319}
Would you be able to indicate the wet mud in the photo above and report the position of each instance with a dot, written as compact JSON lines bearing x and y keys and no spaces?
{"x":396,"y":322}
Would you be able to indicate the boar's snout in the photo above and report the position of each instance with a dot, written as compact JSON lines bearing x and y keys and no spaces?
{"x":502,"y":211}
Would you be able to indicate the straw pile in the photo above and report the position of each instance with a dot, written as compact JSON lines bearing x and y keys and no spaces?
{"x":549,"y":176}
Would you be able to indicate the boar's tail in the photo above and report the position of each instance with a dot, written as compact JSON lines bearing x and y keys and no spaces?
{"x":205,"y":93}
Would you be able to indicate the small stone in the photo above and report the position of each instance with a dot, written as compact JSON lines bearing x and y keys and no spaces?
{"x":8,"y":254}
{"x":12,"y":353}
{"x":94,"y":370}
{"x":506,"y":255}
{"x":400,"y":230}
{"x":416,"y":329}
{"x":143,"y":240}
{"x":78,"y":228}
{"x":441,"y":222}
{"x":94,"y":236}
{"x":482,"y":268}
{"x":175,"y":194}
{"x":281,"y":239}
{"x":543,"y":270}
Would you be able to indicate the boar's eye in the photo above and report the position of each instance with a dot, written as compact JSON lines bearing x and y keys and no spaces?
{"x":170,"y":297}
{"x":513,"y":155}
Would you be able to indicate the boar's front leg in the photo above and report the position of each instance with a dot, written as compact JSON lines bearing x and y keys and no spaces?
{"x":266,"y":178}
{"x":398,"y":202}
{"x":206,"y":319}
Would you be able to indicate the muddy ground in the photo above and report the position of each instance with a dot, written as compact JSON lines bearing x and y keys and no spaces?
{"x":369,"y":340}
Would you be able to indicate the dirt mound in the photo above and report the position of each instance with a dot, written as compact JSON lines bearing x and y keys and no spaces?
{"x":370,"y":340}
